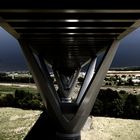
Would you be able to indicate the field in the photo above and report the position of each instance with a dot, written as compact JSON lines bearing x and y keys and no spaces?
{"x":15,"y":124}
{"x":10,"y":88}
{"x":104,"y":128}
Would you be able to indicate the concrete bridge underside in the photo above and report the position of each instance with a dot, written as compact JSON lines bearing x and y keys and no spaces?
{"x":65,"y":37}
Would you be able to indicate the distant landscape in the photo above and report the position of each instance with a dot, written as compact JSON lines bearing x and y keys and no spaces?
{"x":119,"y":95}
{"x":130,"y":68}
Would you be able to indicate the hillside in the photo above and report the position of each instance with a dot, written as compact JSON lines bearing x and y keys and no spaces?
{"x":15,"y":124}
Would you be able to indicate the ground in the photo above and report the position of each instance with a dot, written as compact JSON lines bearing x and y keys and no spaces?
{"x":15,"y":124}
{"x":101,"y":128}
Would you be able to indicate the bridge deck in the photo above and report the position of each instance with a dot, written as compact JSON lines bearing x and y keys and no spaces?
{"x":69,"y":33}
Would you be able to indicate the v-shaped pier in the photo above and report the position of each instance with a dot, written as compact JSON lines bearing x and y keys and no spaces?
{"x":65,"y":38}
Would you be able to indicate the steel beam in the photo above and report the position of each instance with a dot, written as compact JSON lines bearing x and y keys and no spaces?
{"x":87,"y":80}
{"x":51,"y":100}
{"x":69,"y":117}
{"x":42,"y":79}
{"x":8,"y":28}
{"x":93,"y":88}
{"x":66,"y":84}
{"x":132,"y":28}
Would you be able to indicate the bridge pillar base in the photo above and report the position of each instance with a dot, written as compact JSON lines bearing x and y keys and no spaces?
{"x":61,"y":136}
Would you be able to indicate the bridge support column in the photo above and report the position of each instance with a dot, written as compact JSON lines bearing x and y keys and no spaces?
{"x":60,"y":136}
{"x":68,"y":117}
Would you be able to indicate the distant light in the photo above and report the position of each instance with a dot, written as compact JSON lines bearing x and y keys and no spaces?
{"x":72,"y":20}
{"x":70,"y":11}
{"x":71,"y":33}
{"x":71,"y":27}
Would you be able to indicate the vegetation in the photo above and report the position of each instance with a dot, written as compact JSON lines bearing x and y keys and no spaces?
{"x":117,"y":104}
{"x":15,"y":79}
{"x":11,"y":89}
{"x":20,"y":97}
{"x":15,"y":123}
{"x":80,"y":80}
{"x":108,"y":103}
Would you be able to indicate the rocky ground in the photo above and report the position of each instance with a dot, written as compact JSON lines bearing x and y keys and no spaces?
{"x":15,"y":124}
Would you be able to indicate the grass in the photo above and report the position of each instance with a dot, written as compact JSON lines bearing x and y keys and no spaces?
{"x":15,"y":124}
{"x":105,"y":128}
{"x":11,"y":89}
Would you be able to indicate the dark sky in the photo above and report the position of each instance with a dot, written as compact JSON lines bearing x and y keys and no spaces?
{"x":11,"y":57}
{"x":128,"y":53}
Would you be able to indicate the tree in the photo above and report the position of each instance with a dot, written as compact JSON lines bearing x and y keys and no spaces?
{"x":81,"y":80}
{"x":97,"y":108}
{"x":8,"y":101}
{"x":115,"y":108}
{"x":130,"y":82}
{"x":131,"y":107}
